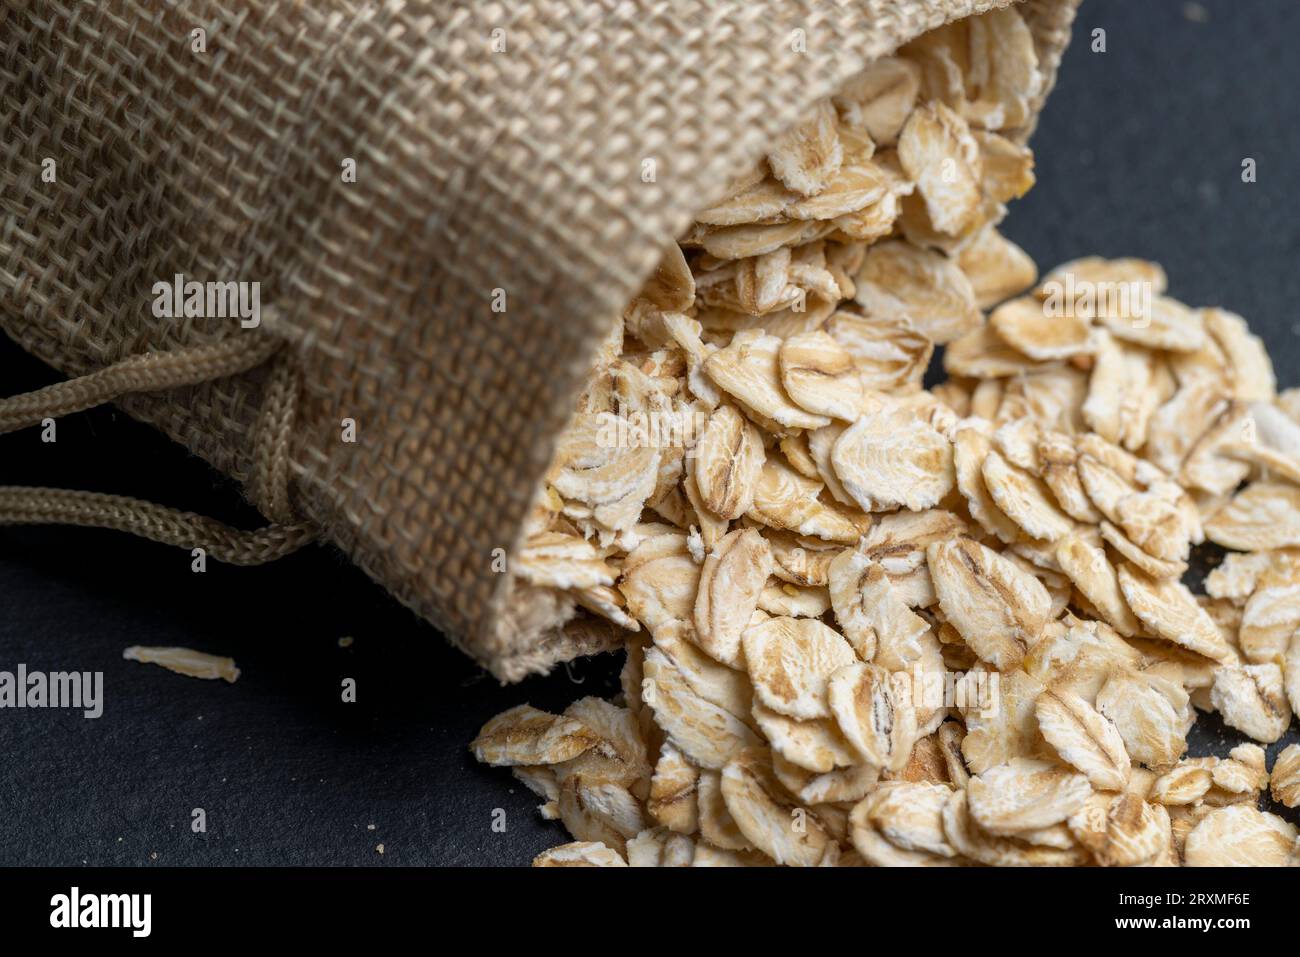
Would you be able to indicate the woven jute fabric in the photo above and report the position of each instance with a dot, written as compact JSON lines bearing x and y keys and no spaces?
{"x":498,"y":151}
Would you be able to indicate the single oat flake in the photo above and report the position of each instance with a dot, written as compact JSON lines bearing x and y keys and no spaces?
{"x":186,"y":661}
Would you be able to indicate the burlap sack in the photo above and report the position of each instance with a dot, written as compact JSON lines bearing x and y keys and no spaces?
{"x":498,"y":151}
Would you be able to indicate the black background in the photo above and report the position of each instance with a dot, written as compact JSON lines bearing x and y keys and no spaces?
{"x":1139,"y":152}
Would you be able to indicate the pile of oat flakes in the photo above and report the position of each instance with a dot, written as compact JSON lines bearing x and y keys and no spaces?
{"x":869,"y":623}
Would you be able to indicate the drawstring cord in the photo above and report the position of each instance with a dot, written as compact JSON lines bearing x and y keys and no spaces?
{"x":156,"y":372}
{"x":25,"y":505}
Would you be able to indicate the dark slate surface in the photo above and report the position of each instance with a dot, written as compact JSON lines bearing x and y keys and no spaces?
{"x":1139,"y":153}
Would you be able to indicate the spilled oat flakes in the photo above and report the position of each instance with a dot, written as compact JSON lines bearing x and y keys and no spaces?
{"x":873,"y":624}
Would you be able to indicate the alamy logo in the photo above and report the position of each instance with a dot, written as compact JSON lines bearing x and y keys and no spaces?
{"x":1131,"y":300}
{"x":103,"y":910}
{"x":656,"y":430}
{"x":57,"y":689}
{"x":216,"y":300}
